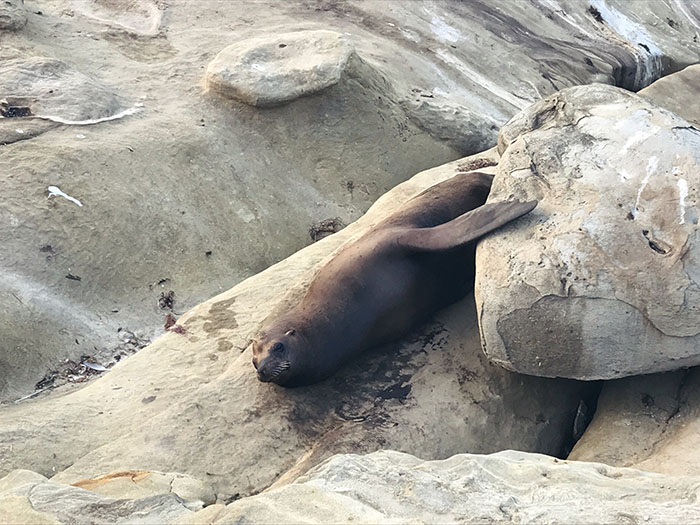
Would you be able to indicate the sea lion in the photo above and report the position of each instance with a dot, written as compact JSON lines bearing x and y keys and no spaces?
{"x":379,"y":287}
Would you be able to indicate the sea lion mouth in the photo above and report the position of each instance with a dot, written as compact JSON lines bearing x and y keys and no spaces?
{"x":272,"y":374}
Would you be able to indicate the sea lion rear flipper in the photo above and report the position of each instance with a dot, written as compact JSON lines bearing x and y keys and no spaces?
{"x":465,"y":228}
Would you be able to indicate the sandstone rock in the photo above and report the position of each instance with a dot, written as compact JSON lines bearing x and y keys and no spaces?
{"x":132,"y":484}
{"x":138,"y":17}
{"x":651,"y":421}
{"x":678,"y":92}
{"x":507,"y":487}
{"x":424,"y":95}
{"x":27,"y":497}
{"x":602,"y":279}
{"x":276,"y":68}
{"x":433,"y":395}
{"x":12,"y":14}
{"x":52,"y":89}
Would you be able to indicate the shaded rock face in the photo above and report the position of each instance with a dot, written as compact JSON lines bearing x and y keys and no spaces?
{"x":271,"y":70}
{"x":432,"y":395}
{"x":196,"y":191}
{"x":508,"y":487}
{"x":602,"y":279}
{"x":28,"y":497}
{"x":649,"y":422}
{"x":12,"y":15}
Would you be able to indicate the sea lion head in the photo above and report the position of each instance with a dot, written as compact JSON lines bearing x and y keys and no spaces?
{"x":274,"y":353}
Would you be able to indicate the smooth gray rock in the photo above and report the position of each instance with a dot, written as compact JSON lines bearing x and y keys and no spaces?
{"x":602,"y":280}
{"x":198,"y":192}
{"x":507,"y":487}
{"x":273,"y":69}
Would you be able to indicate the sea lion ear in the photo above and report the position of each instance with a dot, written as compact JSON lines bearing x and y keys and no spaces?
{"x":465,"y":228}
{"x":291,"y":332}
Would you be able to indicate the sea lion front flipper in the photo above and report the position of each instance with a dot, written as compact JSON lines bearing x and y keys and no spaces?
{"x":465,"y":228}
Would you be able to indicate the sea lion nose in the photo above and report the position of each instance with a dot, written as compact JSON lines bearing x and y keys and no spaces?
{"x":262,"y":376}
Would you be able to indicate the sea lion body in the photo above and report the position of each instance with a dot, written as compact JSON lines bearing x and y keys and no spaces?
{"x":379,"y":287}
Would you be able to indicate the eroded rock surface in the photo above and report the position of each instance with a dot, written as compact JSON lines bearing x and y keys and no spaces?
{"x":197,"y":192}
{"x":28,"y":497}
{"x":678,"y":93}
{"x":12,"y":14}
{"x":508,"y":487}
{"x":651,"y":422}
{"x":602,"y":280}
{"x":50,"y":88}
{"x":273,"y":69}
{"x":135,"y":484}
{"x":433,"y":395}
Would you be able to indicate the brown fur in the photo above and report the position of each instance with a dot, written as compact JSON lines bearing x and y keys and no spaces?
{"x":379,"y":287}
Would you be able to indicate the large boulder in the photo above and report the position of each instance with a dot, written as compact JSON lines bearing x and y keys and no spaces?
{"x":652,"y":421}
{"x":602,"y":280}
{"x":508,"y":487}
{"x":191,"y":402}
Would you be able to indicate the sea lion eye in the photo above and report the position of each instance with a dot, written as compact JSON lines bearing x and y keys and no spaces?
{"x":278,"y":348}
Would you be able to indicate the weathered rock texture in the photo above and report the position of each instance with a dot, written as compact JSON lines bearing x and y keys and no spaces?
{"x":602,"y":280}
{"x":12,"y":14}
{"x":197,"y":192}
{"x":508,"y":487}
{"x":678,"y":93}
{"x":191,"y":401}
{"x":52,"y":89}
{"x":28,"y":497}
{"x":135,"y":484}
{"x":652,"y":421}
{"x":271,"y":70}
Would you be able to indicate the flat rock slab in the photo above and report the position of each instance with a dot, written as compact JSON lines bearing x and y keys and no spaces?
{"x":602,"y":280}
{"x":138,"y":17}
{"x":276,"y":68}
{"x":28,"y":497}
{"x":134,"y":484}
{"x":507,"y":487}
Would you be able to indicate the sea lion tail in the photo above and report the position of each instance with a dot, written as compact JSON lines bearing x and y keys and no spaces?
{"x":465,"y":228}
